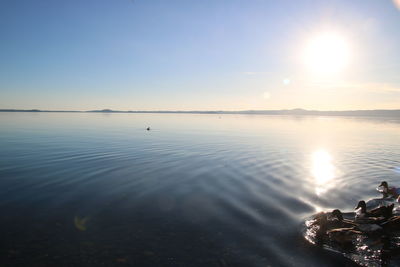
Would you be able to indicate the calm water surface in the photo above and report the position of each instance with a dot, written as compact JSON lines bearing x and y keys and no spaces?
{"x":196,"y":190}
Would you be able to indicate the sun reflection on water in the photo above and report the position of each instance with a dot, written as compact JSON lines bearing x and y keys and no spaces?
{"x":323,"y":171}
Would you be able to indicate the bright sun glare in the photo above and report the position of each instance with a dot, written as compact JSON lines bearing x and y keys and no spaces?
{"x":327,"y":54}
{"x":322,"y":170}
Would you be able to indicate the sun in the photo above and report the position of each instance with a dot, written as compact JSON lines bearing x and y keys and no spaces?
{"x":327,"y":54}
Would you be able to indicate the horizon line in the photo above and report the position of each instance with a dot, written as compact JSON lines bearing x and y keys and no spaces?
{"x":295,"y":111}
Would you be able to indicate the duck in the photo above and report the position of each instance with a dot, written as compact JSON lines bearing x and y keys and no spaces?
{"x":331,"y":220}
{"x":326,"y":222}
{"x":365,"y":225}
{"x":339,"y":221}
{"x":383,"y":211}
{"x":388,"y":191}
{"x":322,"y":223}
{"x":343,"y":236}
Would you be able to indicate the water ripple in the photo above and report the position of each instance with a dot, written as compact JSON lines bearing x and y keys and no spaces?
{"x":196,"y":191}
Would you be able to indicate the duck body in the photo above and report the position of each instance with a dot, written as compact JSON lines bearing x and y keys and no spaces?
{"x":343,"y":236}
{"x":338,"y":221}
{"x":388,"y":191}
{"x":323,"y":223}
{"x":329,"y":221}
{"x":383,"y":211}
{"x":366,"y":225}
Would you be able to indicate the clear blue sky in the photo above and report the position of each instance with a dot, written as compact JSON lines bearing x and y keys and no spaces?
{"x":194,"y":55}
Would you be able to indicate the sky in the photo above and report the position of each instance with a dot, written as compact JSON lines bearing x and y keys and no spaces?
{"x":199,"y":55}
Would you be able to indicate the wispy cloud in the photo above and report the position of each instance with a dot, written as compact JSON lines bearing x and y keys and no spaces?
{"x":384,"y":88}
{"x":365,"y":87}
{"x":257,"y":73}
{"x":373,"y":87}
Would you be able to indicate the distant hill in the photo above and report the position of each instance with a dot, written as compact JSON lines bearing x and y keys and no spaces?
{"x":20,"y":110}
{"x":295,"y":112}
{"x":106,"y":111}
{"x":35,"y":110}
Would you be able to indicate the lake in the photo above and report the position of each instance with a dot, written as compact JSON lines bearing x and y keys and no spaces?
{"x":98,"y":189}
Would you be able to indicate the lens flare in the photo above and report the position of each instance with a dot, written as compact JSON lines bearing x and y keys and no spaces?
{"x":397,"y":3}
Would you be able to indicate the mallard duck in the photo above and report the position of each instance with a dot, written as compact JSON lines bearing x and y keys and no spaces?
{"x":388,"y":191}
{"x":338,"y":221}
{"x":383,"y":211}
{"x":331,"y":220}
{"x":343,"y":236}
{"x":365,"y":225}
{"x":324,"y":222}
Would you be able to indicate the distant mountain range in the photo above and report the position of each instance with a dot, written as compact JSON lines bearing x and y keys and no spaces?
{"x":296,"y":112}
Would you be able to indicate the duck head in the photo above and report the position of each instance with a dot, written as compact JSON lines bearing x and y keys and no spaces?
{"x":337,"y":214}
{"x":384,"y":184}
{"x":361,"y":204}
{"x":385,"y":187}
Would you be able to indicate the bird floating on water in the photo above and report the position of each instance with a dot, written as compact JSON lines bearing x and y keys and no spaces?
{"x":388,"y":191}
{"x":382,"y":211}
